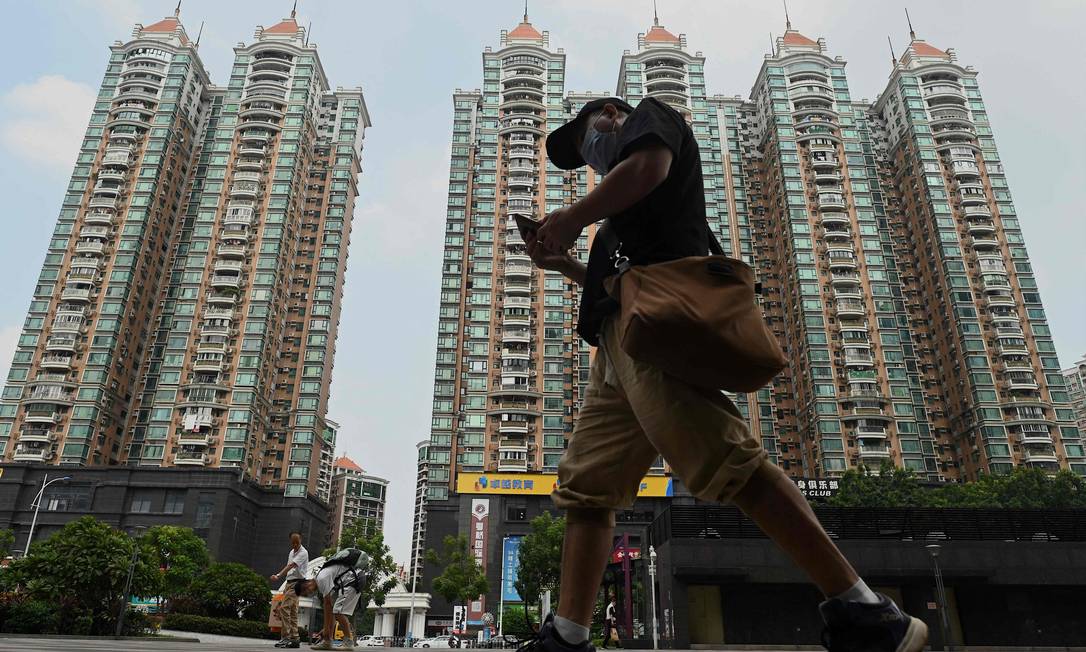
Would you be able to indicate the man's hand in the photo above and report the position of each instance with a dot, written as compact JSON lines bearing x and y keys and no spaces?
{"x":545,"y":259}
{"x":560,"y":230}
{"x":275,"y":578}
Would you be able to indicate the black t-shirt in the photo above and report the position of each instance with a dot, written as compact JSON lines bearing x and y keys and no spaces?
{"x":667,"y":224}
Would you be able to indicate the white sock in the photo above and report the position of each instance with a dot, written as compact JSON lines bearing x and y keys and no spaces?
{"x":571,"y":632}
{"x":859,"y":593}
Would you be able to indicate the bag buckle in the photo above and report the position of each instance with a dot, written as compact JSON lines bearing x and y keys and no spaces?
{"x":622,"y":263}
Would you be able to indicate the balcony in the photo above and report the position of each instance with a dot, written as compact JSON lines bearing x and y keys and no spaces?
{"x":847,"y":308}
{"x":41,"y":416}
{"x":1035,"y":438}
{"x":830,"y":201}
{"x":519,"y":335}
{"x":838,"y":234}
{"x":874,"y":452}
{"x":842,"y":258}
{"x":220,"y":299}
{"x":834,"y":219}
{"x":90,"y":247}
{"x":231,"y":251}
{"x":1042,"y":457}
{"x":512,"y":466}
{"x":112,"y":175}
{"x":985,"y":242}
{"x":49,"y":394}
{"x":522,"y":153}
{"x":31,"y":453}
{"x":1012,"y":346}
{"x":1004,"y":298}
{"x":517,"y":270}
{"x":513,"y":427}
{"x":65,"y":323}
{"x":821,"y":160}
{"x":841,"y":278}
{"x":249,"y":164}
{"x":35,"y":435}
{"x":859,"y":360}
{"x":938,"y":90}
{"x":250,"y":149}
{"x":61,"y":343}
{"x":228,"y":266}
{"x":190,"y":438}
{"x":190,"y":459}
{"x":98,"y":218}
{"x":1021,"y":380}
{"x":979,"y":228}
{"x":209,"y":363}
{"x":977,"y":211}
{"x":516,"y":320}
{"x":226,"y":281}
{"x":103,"y":202}
{"x":55,"y":362}
{"x":870,"y":430}
{"x":972,"y":198}
{"x":826,"y":175}
{"x":245,"y":190}
{"x":75,"y":294}
{"x":965,"y":169}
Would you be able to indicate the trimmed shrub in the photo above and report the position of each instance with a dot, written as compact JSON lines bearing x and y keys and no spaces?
{"x":220,"y":626}
{"x":31,"y":617}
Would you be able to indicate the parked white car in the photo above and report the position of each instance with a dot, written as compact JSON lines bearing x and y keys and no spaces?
{"x":370,"y":641}
{"x":445,"y":641}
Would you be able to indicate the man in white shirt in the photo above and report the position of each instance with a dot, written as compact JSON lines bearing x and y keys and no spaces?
{"x":339,"y":603}
{"x":287,"y":609}
{"x":610,"y":623}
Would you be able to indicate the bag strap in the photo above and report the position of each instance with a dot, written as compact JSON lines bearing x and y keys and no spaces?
{"x":622,"y":263}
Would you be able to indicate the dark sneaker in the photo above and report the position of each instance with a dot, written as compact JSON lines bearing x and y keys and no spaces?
{"x":290,"y":643}
{"x":880,"y":627}
{"x":548,"y":640}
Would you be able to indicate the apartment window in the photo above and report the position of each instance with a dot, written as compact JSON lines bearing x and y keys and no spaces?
{"x":141,"y":504}
{"x":175,"y":502}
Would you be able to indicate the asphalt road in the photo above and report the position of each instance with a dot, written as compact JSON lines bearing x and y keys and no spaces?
{"x":106,"y":645}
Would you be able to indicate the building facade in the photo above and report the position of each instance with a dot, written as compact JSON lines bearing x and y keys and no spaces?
{"x":932,"y":358}
{"x":418,"y":526}
{"x":187,"y":310}
{"x":1076,"y":386}
{"x":240,"y":520}
{"x":355,"y":495}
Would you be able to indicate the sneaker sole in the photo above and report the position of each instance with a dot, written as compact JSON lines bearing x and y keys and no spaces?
{"x":915,"y":636}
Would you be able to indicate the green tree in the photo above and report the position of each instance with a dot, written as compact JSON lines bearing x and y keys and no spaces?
{"x":83,"y":569}
{"x":462,"y":579}
{"x":381,"y":573}
{"x":540,"y":559}
{"x":7,"y":540}
{"x":889,"y":487}
{"x":179,"y":555}
{"x":231,"y":590}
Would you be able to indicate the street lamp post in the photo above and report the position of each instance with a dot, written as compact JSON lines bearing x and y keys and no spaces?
{"x":37,"y":506}
{"x":944,"y":624}
{"x":652,"y":594}
{"x":128,"y":583}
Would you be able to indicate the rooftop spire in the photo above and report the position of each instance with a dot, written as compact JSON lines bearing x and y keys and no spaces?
{"x":177,"y":9}
{"x":655,"y":15}
{"x":525,"y":10}
{"x":912,"y":33}
{"x":787,"y":20}
{"x":893,"y":57}
{"x":199,"y":34}
{"x":294,"y":9}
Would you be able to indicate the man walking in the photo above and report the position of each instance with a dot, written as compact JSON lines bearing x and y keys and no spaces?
{"x":287,"y":609}
{"x":653,"y":199}
{"x":609,"y":623}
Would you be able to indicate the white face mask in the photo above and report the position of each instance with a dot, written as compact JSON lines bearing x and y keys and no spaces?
{"x":599,"y":149}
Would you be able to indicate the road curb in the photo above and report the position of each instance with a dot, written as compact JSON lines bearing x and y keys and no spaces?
{"x":76,"y":637}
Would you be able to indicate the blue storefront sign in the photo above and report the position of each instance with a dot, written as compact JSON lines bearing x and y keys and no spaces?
{"x":510,"y":564}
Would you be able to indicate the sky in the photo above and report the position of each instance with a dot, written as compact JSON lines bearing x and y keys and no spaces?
{"x":410,"y":55}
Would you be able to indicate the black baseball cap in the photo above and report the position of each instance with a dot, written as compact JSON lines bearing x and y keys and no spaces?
{"x":562,"y":147}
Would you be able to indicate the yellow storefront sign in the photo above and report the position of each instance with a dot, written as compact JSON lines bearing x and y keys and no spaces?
{"x":542,"y":484}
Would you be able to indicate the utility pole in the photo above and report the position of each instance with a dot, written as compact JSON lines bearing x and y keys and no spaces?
{"x":940,"y":590}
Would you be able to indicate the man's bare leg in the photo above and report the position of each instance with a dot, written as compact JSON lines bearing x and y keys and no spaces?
{"x":772,"y":501}
{"x":584,"y":558}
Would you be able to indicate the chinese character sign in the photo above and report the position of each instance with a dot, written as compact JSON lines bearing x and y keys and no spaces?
{"x":480,"y":516}
{"x":817,"y":489}
{"x":510,"y":565}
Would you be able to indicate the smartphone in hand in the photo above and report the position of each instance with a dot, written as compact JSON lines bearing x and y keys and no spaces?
{"x":526,"y":225}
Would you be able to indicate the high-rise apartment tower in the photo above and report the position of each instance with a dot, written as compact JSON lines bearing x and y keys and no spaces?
{"x":187,"y":310}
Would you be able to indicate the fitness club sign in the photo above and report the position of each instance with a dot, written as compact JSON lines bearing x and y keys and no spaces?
{"x":817,"y":489}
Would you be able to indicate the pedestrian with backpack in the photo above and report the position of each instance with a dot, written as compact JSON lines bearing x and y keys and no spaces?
{"x":339,"y":583}
{"x":673,"y":327}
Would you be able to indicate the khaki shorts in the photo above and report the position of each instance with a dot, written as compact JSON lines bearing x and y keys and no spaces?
{"x":346,"y":601}
{"x":632,"y":413}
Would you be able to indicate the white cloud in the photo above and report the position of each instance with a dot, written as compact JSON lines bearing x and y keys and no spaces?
{"x":44,"y":121}
{"x":9,"y":337}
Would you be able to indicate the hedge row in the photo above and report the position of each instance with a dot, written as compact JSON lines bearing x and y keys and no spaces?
{"x":221,"y":626}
